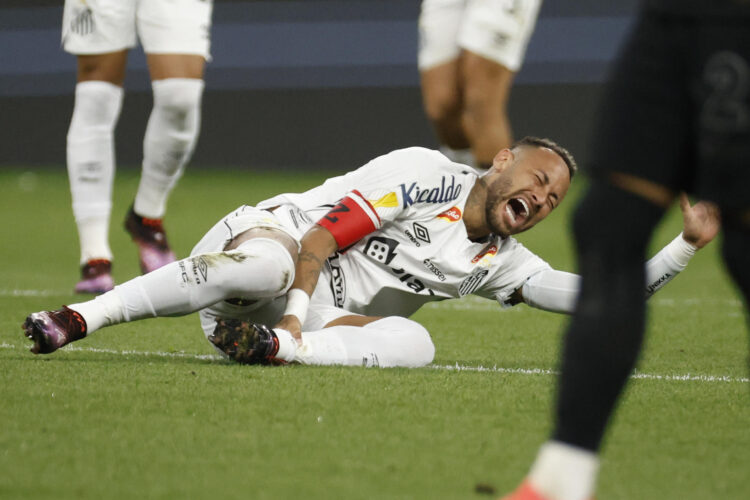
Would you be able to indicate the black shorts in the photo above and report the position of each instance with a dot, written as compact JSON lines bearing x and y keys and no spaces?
{"x":677,"y":108}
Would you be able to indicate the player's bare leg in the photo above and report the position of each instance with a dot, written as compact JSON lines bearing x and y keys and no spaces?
{"x":171,"y":134}
{"x":486,"y":88}
{"x":442,"y":99}
{"x":91,"y":162}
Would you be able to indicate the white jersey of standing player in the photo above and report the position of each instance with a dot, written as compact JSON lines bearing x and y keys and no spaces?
{"x":418,"y":251}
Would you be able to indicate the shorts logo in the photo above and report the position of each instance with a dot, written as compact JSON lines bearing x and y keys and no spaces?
{"x":416,"y":194}
{"x":472,"y":282}
{"x":453,"y":214}
{"x":83,"y":22}
{"x":381,"y":249}
{"x":200,"y":266}
{"x":338,"y":282}
{"x":370,"y":360}
{"x":500,"y":39}
{"x":197,"y":274}
{"x":490,"y":252}
{"x":421,"y":232}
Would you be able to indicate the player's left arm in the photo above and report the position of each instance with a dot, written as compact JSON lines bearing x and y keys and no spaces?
{"x":557,"y":291}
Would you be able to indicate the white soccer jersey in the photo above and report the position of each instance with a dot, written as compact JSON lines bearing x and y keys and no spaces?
{"x":406,"y":243}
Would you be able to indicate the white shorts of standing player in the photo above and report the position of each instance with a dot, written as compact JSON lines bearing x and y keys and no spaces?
{"x":496,"y":29}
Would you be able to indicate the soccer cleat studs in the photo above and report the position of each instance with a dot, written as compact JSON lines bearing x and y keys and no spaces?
{"x":245,"y":342}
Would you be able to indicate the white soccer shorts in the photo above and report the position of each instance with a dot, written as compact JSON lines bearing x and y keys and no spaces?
{"x":498,"y":30}
{"x":162,"y":26}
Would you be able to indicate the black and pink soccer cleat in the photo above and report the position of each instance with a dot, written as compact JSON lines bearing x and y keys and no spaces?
{"x":151,"y":240}
{"x":50,"y":330}
{"x":96,"y":277}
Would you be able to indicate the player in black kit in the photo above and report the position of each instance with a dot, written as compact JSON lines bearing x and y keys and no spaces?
{"x":675,"y":117}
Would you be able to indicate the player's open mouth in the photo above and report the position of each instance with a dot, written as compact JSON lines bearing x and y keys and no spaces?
{"x":517,"y":210}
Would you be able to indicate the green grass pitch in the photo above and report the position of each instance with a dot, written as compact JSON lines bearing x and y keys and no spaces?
{"x":144,"y":410}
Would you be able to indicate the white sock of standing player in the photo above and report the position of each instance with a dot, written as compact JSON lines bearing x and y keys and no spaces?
{"x":564,"y":472}
{"x":171,"y":134}
{"x":258,"y":268}
{"x":91,"y":164}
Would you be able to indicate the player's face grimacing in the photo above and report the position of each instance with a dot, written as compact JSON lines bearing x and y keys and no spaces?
{"x":523,"y":186}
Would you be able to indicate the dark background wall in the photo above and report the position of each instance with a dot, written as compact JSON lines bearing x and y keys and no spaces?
{"x":309,"y":83}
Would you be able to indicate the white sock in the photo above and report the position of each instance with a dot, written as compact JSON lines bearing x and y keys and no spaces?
{"x":93,"y":234}
{"x":463,"y":156}
{"x":564,"y":472}
{"x":91,"y":163}
{"x":287,"y":344}
{"x":171,"y":134}
{"x":259,"y":268}
{"x":387,"y":342}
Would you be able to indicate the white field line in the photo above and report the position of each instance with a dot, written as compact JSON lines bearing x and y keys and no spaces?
{"x":456,"y":368}
{"x":470,"y":303}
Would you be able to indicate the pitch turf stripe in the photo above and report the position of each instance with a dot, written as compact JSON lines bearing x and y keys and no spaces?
{"x":456,"y":367}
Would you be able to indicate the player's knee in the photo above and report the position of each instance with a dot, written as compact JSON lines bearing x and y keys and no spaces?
{"x":415,"y":347}
{"x":424,"y":352}
{"x":442,"y":105}
{"x":97,"y":106}
{"x":179,"y":100}
{"x":264,"y":268}
{"x":486,"y":89}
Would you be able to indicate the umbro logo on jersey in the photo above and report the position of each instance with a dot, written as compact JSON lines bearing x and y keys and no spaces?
{"x":453,"y":214}
{"x":421,"y":232}
{"x":442,"y":194}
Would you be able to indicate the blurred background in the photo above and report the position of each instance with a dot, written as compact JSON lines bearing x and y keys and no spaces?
{"x":323,"y":84}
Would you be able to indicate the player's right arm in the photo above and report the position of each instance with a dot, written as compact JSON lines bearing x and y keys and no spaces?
{"x":350,"y":220}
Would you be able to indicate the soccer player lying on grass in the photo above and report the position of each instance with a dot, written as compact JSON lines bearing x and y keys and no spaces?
{"x":339,"y":268}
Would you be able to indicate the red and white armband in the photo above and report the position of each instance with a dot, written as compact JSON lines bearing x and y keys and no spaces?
{"x":351,"y":219}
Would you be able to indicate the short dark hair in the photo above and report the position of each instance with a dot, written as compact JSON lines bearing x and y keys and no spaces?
{"x":539,"y":142}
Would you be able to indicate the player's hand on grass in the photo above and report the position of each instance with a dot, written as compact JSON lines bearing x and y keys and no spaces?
{"x":291,"y":324}
{"x":701,"y":221}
